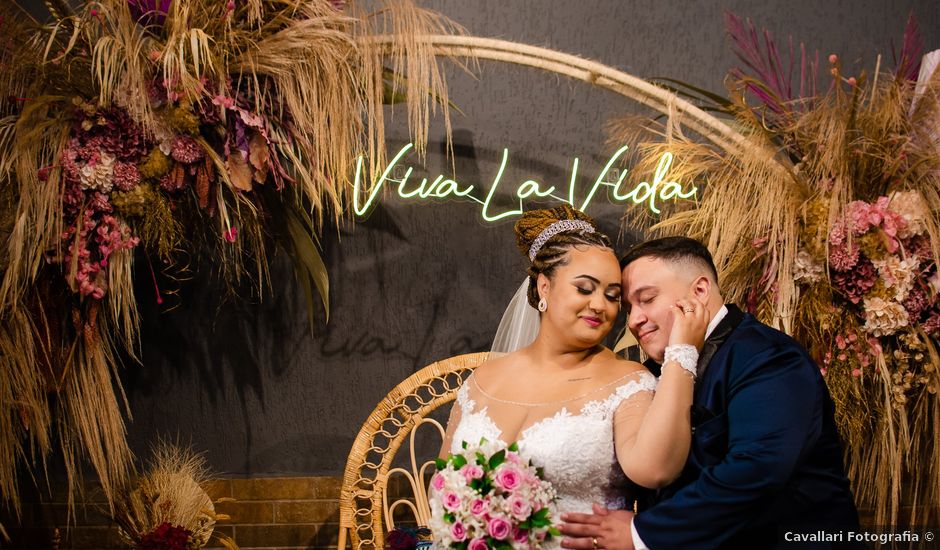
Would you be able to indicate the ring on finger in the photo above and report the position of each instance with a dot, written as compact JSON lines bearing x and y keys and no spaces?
{"x":594,"y":543}
{"x":688,"y":309}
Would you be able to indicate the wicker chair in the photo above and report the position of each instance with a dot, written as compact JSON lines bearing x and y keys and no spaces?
{"x":364,"y":511}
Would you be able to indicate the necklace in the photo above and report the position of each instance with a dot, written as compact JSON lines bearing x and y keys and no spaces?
{"x":636,"y":374}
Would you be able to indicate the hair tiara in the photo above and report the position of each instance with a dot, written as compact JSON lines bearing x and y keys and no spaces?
{"x":558,"y":227}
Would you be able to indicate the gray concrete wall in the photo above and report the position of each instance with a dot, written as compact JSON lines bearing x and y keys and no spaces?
{"x":250,"y":382}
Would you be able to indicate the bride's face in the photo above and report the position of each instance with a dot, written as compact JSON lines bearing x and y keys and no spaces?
{"x":584,"y":295}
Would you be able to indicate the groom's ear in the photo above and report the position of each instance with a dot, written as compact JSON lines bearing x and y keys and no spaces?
{"x":702,"y":288}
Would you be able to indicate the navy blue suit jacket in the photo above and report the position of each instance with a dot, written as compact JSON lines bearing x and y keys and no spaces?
{"x":765,"y":457}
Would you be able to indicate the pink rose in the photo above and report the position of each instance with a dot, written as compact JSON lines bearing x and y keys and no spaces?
{"x":520,"y":508}
{"x":437,"y":482}
{"x":520,"y":535}
{"x":478,"y":507}
{"x":508,"y":478}
{"x":451,"y":501}
{"x":513,"y":458}
{"x":458,"y":532}
{"x":498,"y":528}
{"x":478,"y":543}
{"x":471,"y":472}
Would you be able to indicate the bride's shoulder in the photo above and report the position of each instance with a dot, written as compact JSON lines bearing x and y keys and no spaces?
{"x":621,"y":368}
{"x":497,"y":365}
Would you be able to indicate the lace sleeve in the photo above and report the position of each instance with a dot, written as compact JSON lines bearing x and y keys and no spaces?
{"x":652,"y":431}
{"x":456,"y":412}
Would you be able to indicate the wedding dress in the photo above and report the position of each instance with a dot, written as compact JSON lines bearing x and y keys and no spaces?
{"x":573,"y":440}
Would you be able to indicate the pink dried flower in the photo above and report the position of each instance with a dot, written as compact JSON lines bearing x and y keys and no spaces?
{"x":843,"y":258}
{"x":186,"y":150}
{"x":111,"y":130}
{"x":861,"y":216}
{"x":71,"y":167}
{"x":72,"y":197}
{"x":837,"y":234}
{"x":917,"y":302}
{"x":223,"y":101}
{"x":855,"y":283}
{"x":126,"y":176}
{"x":918,"y":245}
{"x":932,"y":324}
{"x":100,"y":202}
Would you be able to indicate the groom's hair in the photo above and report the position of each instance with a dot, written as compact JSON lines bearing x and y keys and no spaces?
{"x":673,"y":249}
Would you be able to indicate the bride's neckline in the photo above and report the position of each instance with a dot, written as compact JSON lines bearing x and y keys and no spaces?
{"x":637,"y":374}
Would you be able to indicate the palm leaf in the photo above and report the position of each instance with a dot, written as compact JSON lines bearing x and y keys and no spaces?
{"x":308,"y":261}
{"x":688,"y":90}
{"x":293,"y":231}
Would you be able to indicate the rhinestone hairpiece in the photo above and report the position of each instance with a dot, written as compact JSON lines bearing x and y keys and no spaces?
{"x":556,"y":228}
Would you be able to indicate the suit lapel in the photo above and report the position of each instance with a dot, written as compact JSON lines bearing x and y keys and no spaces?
{"x":718,"y":336}
{"x":653,"y":367}
{"x":725,"y":327}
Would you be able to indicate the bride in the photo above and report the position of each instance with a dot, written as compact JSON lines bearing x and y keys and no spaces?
{"x":589,"y":419}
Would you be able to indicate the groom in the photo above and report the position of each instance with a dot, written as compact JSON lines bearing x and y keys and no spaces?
{"x":765,"y":458}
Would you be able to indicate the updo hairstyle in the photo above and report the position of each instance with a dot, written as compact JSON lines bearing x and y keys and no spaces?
{"x":554,"y":252}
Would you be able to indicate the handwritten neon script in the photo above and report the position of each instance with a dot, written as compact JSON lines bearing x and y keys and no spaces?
{"x":660,"y":189}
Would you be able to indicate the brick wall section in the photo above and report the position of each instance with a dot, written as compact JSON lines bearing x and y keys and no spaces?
{"x":267,"y":513}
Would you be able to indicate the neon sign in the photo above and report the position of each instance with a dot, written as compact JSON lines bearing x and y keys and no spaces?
{"x":651,"y":193}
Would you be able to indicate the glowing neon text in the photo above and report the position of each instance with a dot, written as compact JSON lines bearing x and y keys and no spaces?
{"x":651,"y":193}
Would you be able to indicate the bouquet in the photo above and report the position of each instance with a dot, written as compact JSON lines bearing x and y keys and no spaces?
{"x":167,"y":507}
{"x":488,"y":496}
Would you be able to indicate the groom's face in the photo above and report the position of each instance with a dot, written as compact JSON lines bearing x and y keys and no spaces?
{"x":650,"y":287}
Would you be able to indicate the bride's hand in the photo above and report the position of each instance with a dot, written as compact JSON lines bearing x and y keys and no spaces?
{"x":689,"y":322}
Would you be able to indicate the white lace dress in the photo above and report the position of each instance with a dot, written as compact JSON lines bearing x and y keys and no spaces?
{"x":572,"y":440}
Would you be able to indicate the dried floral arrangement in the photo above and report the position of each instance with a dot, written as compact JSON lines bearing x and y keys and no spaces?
{"x":167,"y":507}
{"x":164,"y":134}
{"x":828,"y":226}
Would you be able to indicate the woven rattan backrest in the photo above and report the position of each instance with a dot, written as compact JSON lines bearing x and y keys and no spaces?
{"x":362,"y":501}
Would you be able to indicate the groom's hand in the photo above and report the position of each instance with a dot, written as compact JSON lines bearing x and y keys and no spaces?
{"x":611,"y":529}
